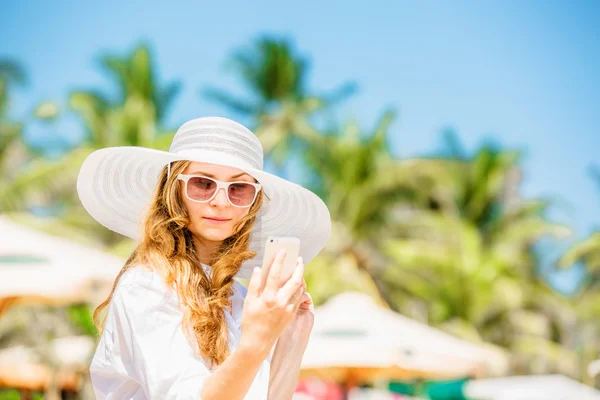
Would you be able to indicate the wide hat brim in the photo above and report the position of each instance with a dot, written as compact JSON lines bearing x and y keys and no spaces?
{"x":115,"y":186}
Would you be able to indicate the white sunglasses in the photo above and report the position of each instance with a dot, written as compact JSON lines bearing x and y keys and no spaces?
{"x":203,"y":189}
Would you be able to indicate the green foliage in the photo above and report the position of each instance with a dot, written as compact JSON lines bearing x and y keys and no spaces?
{"x":80,"y":315}
{"x":9,"y":394}
{"x":272,"y":69}
{"x":135,"y":117}
{"x":351,"y":172}
{"x":445,"y":239}
{"x":587,"y":251}
{"x":278,"y":101}
{"x":27,"y":180}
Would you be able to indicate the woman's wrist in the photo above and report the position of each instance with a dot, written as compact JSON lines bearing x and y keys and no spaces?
{"x":289,"y":351}
{"x":285,"y":366}
{"x":233,"y":378}
{"x":253,"y":349}
{"x":293,"y":340}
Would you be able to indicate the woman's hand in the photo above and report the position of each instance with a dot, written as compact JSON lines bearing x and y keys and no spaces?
{"x":287,"y":357}
{"x":301,"y":325}
{"x":269,"y":306}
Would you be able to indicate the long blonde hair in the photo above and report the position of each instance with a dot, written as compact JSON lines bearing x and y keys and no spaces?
{"x":167,"y":246}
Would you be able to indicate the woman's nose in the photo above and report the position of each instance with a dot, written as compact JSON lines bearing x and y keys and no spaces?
{"x":220,"y":198}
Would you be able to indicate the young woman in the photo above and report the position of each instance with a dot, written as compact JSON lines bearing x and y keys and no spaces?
{"x":177,"y":325}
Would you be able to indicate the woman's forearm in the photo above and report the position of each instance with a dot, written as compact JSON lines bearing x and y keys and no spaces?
{"x":233,"y":378}
{"x":285,"y":367}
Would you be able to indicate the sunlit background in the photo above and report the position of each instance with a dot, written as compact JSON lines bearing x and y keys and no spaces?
{"x":455,"y":144}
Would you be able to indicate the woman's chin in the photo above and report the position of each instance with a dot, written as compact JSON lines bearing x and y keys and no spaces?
{"x":216,"y":234}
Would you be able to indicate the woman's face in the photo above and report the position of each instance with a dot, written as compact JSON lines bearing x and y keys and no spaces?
{"x":214,"y":220}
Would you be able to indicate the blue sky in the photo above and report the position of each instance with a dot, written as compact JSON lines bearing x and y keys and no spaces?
{"x":522,"y":73}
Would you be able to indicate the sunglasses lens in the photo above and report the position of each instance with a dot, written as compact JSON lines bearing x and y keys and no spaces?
{"x":200,"y":188}
{"x":241,"y":194}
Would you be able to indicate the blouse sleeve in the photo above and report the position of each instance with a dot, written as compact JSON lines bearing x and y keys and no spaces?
{"x":143,"y":343}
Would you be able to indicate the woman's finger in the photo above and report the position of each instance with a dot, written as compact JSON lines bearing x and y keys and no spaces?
{"x":307,"y":302}
{"x":255,"y":283}
{"x":304,"y":300}
{"x":295,"y":282}
{"x":297,"y":297}
{"x":272,"y":283}
{"x":265,"y":273}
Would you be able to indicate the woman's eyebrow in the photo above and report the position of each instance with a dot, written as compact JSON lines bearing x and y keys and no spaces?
{"x":212,"y":176}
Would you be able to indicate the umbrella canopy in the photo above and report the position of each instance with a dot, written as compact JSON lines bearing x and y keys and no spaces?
{"x":540,"y":387}
{"x":355,"y":339}
{"x":39,"y":266}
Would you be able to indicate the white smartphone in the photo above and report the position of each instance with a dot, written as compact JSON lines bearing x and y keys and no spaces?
{"x":291,"y":244}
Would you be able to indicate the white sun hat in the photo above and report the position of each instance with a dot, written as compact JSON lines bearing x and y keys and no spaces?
{"x":115,"y":185}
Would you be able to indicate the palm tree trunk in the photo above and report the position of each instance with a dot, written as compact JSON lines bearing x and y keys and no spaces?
{"x":363,"y":262}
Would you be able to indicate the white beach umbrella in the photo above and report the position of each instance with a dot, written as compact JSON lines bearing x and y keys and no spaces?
{"x":534,"y":387}
{"x":35,"y":265}
{"x":354,"y":337}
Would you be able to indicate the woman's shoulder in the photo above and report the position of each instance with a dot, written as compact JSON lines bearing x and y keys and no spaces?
{"x":140,"y":275}
{"x":143,"y":281}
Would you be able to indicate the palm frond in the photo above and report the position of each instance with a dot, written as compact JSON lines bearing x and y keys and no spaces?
{"x":586,"y":251}
{"x":223,"y":98}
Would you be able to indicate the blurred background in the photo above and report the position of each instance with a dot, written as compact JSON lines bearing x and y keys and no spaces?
{"x":455,"y":144}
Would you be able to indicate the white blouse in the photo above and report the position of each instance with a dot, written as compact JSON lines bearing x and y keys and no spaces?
{"x":143,"y":352}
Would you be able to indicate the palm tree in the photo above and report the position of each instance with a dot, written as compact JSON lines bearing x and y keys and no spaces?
{"x":448,"y":275}
{"x":26,"y":180}
{"x":483,"y":190}
{"x":278,"y":102}
{"x":587,"y":251}
{"x":134,"y":116}
{"x":466,"y":263}
{"x":363,"y":184}
{"x":13,"y":152}
{"x":477,"y":187}
{"x":587,"y":299}
{"x":10,"y":74}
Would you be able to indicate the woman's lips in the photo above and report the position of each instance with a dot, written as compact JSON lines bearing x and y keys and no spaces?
{"x":216,"y":221}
